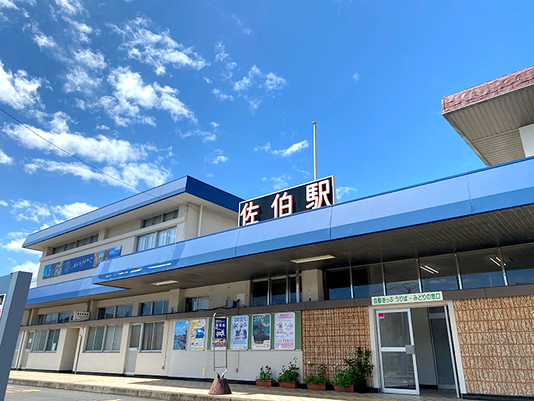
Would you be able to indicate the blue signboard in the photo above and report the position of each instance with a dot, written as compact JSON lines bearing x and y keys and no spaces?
{"x":219,"y":328}
{"x":80,"y":263}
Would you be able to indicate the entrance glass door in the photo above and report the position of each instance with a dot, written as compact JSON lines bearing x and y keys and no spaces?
{"x":397,"y":352}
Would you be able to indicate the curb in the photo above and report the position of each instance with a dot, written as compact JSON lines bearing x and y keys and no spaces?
{"x":132,"y":392}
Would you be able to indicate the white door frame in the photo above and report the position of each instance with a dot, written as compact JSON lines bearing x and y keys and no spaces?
{"x":381,"y":350}
{"x":373,"y":324}
{"x":133,"y":349}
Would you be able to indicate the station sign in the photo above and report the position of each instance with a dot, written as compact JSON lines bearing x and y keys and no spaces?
{"x":407,"y":298}
{"x":312,"y":195}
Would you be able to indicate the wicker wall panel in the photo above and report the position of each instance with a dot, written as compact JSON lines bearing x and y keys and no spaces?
{"x":497,"y":345}
{"x":330,"y":335}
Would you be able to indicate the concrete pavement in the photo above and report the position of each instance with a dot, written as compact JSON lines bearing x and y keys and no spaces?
{"x":168,"y":389}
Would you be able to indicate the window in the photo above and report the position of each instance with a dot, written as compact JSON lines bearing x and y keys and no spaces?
{"x":111,"y":312}
{"x":338,"y":284}
{"x":401,"y":277}
{"x":439,"y":273}
{"x":152,"y":336}
{"x":278,"y":291}
{"x":75,"y":244}
{"x":367,"y":281}
{"x":52,"y":318}
{"x":46,"y":340}
{"x":104,"y":338}
{"x":154,"y":308}
{"x":481,"y":269}
{"x":260,"y":291}
{"x":293,"y":290}
{"x":519,"y":264}
{"x":160,"y":218}
{"x":197,"y":303}
{"x":159,"y":238}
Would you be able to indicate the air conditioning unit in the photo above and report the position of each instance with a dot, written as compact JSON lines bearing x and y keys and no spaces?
{"x":80,"y":316}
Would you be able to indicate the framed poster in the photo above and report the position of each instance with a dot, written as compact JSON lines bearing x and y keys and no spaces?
{"x":198,"y":335}
{"x":261,"y":332}
{"x":180,"y":335}
{"x":218,"y":340}
{"x":239,"y":334}
{"x":284,"y":331}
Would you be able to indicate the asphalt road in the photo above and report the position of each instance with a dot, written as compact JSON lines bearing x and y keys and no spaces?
{"x":16,"y":393}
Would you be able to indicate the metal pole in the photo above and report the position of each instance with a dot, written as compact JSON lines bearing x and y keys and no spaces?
{"x":314,"y":150}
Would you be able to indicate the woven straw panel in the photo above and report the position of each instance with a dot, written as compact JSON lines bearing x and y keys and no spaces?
{"x":330,"y":335}
{"x":497,"y":345}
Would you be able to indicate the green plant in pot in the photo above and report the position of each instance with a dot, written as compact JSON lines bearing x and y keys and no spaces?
{"x":265,"y":378}
{"x":360,"y":368}
{"x":343,"y":380}
{"x":317,"y":379}
{"x":289,"y":376}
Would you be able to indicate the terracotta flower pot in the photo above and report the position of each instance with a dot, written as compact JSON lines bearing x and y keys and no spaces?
{"x":289,"y":384}
{"x":318,"y":386}
{"x":346,"y":389}
{"x":265,"y":383}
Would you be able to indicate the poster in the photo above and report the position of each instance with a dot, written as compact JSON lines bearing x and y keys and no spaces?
{"x":284,"y":331}
{"x":219,"y":333}
{"x":198,"y":335}
{"x":261,"y":332}
{"x":180,"y":335}
{"x":80,"y":263}
{"x":2,"y":297}
{"x":239,"y":334}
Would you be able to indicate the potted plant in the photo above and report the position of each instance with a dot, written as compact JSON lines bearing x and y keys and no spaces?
{"x":289,"y":377}
{"x":265,"y":378}
{"x":317,"y":379}
{"x":360,"y":368}
{"x":343,"y":380}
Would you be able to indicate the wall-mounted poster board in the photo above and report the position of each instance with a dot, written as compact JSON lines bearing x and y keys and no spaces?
{"x":284,"y":331}
{"x":261,"y":332}
{"x":180,"y":335}
{"x":218,"y":339}
{"x":198,"y":335}
{"x":239,"y":333}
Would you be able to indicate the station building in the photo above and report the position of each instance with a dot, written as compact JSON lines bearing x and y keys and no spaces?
{"x":436,"y":279}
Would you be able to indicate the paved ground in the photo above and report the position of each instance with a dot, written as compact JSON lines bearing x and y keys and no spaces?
{"x":25,"y":393}
{"x":166,"y":389}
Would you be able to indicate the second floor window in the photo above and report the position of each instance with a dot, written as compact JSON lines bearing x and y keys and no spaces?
{"x":111,"y":312}
{"x":158,"y":238}
{"x":154,"y":308}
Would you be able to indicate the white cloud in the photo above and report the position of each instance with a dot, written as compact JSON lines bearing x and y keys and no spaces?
{"x":221,"y":95}
{"x":43,"y":41}
{"x":342,"y":191}
{"x":255,"y":78}
{"x":99,"y":148}
{"x":73,"y":210}
{"x":80,"y":30}
{"x":209,"y":81}
{"x":11,"y":3}
{"x":206,"y":136}
{"x":356,"y":77}
{"x":214,"y":125}
{"x":131,"y":92}
{"x":280,"y":182}
{"x":31,"y":211}
{"x":102,"y":127}
{"x":27,"y":266}
{"x":70,"y":7}
{"x":217,"y":157}
{"x":78,"y":80}
{"x":16,"y":239}
{"x":3,"y":203}
{"x":90,"y":59}
{"x":220,"y":53}
{"x":5,"y":159}
{"x":25,"y":210}
{"x":156,"y":49}
{"x":246,"y":30}
{"x":131,"y":174}
{"x":17,"y":90}
{"x":296,"y":147}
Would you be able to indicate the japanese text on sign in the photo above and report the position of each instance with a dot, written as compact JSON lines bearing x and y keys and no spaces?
{"x":219,"y":328}
{"x":308,"y":196}
{"x":407,"y":298}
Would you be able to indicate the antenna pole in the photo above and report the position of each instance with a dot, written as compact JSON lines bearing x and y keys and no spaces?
{"x":314,"y":150}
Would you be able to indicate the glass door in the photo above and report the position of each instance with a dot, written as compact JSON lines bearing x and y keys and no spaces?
{"x":397,"y":352}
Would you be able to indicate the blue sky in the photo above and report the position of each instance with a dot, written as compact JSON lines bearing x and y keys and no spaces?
{"x":150,"y":91}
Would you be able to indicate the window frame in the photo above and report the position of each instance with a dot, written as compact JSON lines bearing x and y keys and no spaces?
{"x":153,"y":336}
{"x":141,"y":239}
{"x":46,"y":339}
{"x":104,"y":338}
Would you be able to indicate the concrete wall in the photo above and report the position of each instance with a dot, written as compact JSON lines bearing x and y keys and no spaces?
{"x":312,"y":285}
{"x":497,"y":345}
{"x":213,"y":222}
{"x":48,"y":360}
{"x":69,"y":350}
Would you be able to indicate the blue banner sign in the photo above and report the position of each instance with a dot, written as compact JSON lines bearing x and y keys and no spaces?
{"x":220,"y":328}
{"x":80,"y":263}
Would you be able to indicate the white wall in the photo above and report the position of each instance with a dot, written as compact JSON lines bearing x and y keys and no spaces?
{"x":213,"y":222}
{"x":312,"y":285}
{"x":48,"y":360}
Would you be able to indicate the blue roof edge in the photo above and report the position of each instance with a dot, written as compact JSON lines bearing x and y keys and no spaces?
{"x":184,"y":184}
